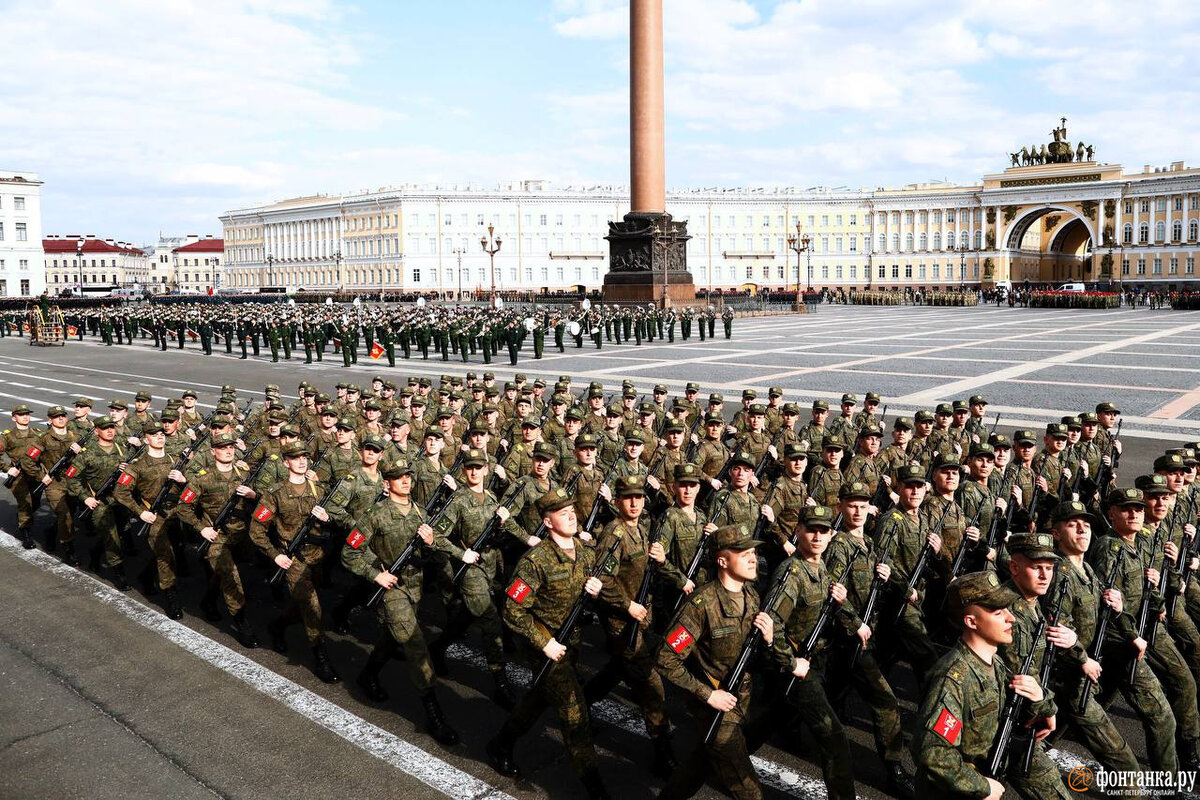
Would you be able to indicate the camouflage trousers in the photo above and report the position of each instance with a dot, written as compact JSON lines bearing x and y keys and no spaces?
{"x":1093,"y":726}
{"x":1171,"y":669}
{"x":1148,"y":701}
{"x":560,"y":690}
{"x":164,"y":552}
{"x":26,"y":506}
{"x":636,"y":668}
{"x":905,"y":640}
{"x":105,"y":523}
{"x":473,"y":601}
{"x":1187,"y":638}
{"x":398,"y":613}
{"x":303,"y":590}
{"x":220,"y":558}
{"x":59,"y":502}
{"x":1044,"y":780}
{"x":868,"y":680}
{"x":728,"y":757}
{"x":809,"y":704}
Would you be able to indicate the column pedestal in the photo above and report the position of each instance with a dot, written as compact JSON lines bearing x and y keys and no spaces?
{"x":648,"y":260}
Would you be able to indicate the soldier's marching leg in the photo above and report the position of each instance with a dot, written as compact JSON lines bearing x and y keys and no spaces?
{"x":228,"y":342}
{"x":220,"y":558}
{"x":304,"y":594}
{"x":25,"y":510}
{"x":809,"y":703}
{"x":64,"y":522}
{"x":1180,"y":688}
{"x":164,"y":563}
{"x":242,"y":344}
{"x":476,"y":587}
{"x":345,"y":352}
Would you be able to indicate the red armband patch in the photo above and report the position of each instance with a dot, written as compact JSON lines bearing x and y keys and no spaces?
{"x":355,"y":539}
{"x":263,"y":514}
{"x":188,"y":496}
{"x":34,"y":451}
{"x":71,"y":471}
{"x":679,"y":639}
{"x":519,"y":590}
{"x":948,"y":727}
{"x":125,"y":479}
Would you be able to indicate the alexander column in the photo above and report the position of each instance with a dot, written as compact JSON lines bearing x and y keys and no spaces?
{"x":648,"y":249}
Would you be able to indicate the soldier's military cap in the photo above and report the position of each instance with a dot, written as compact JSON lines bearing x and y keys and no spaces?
{"x":794,"y":450}
{"x":1193,"y":445}
{"x":757,"y":409}
{"x":489,"y":408}
{"x":999,"y":441}
{"x":1169,"y":463}
{"x":629,"y":393}
{"x":1186,"y":453}
{"x":659,"y":389}
{"x":630,"y":486}
{"x":585,"y":440}
{"x":389,"y":384}
{"x":519,"y":377}
{"x":978,"y":400}
{"x":476,"y":458}
{"x":554,"y":500}
{"x":328,"y":411}
{"x":308,"y":392}
{"x":373,"y":441}
{"x":81,"y":402}
{"x":903,"y":423}
{"x":290,"y":430}
{"x":562,"y":378}
{"x":341,"y":385}
{"x":425,"y":383}
{"x":982,"y":449}
{"x":911,"y":473}
{"x":445,"y":412}
{"x":220,"y":421}
{"x":1056,"y":430}
{"x":531,"y":422}
{"x":224,"y":440}
{"x":277,"y":418}
{"x":790,"y":408}
{"x":397,"y":469}
{"x":675,"y":426}
{"x":1072,"y":423}
{"x":106,"y":422}
{"x":946,"y":461}
{"x":526,"y":398}
{"x":742,"y":457}
{"x":959,"y":405}
{"x":557,"y":399}
{"x":476,"y":427}
{"x":692,"y":387}
{"x":850,"y":399}
{"x":832,"y":442}
{"x":686,"y":473}
{"x":353,"y":388}
{"x":59,"y":411}
{"x":816,"y":517}
{"x":820,"y":405}
{"x":1036,"y":546}
{"x":346,"y":424}
{"x":923,"y":416}
{"x":855,"y":490}
{"x":405,"y":391}
{"x":976,"y":589}
{"x":943,"y":409}
{"x":143,"y":397}
{"x":871,"y":397}
{"x":434,"y":433}
{"x":714,"y":419}
{"x":372,"y":405}
{"x":1152,"y":485}
{"x":647,"y":408}
{"x":614,"y":410}
{"x":489,"y":376}
{"x":1089,"y":418}
{"x":634,"y":435}
{"x":271,"y":387}
{"x":293,"y":450}
{"x":595,"y":393}
{"x":1024,"y":436}
{"x":574,"y":414}
{"x":544,"y":450}
{"x":680,"y":405}
{"x":152,"y":427}
{"x":120,"y":405}
{"x":169,"y":415}
{"x":322,"y":398}
{"x":716,"y":398}
{"x":1107,"y":406}
{"x":189,"y":393}
{"x":734,"y":537}
{"x":1126,"y":497}
{"x":1071,"y":509}
{"x":775,"y":391}
{"x":870,"y":429}
{"x":228,"y":389}
{"x":418,"y":400}
{"x":445,"y":379}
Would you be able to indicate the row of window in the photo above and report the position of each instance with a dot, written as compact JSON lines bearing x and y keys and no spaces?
{"x":1160,"y":232}
{"x":74,"y":262}
{"x":1160,"y":204}
{"x":22,"y":264}
{"x":4,"y":288}
{"x":1156,"y":266}
{"x":22,"y":232}
{"x":18,"y":203}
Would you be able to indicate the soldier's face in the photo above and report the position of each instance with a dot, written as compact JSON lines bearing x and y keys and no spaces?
{"x":739,"y":476}
{"x":757,"y":422}
{"x":633,"y":450}
{"x":901,"y":436}
{"x":344,"y":435}
{"x":297,"y":465}
{"x":586,"y":456}
{"x":855,"y":511}
{"x":106,"y":435}
{"x":686,"y":493}
{"x":328,"y":420}
{"x":994,"y":626}
{"x":811,"y":542}
{"x":977,"y":409}
{"x":1032,"y":576}
{"x":675,"y":439}
{"x":924,"y":428}
{"x":1055,"y":444}
{"x":1108,"y":418}
{"x":369,"y":456}
{"x":831,"y":456}
{"x":156,"y":440}
{"x":819,"y":416}
{"x":81,"y":412}
{"x":870,"y":445}
{"x":563,"y":522}
{"x":1003,"y":456}
{"x":847,"y":409}
{"x":1175,"y":479}
{"x":223,"y":455}
{"x":434,"y":445}
{"x":960,"y":416}
{"x":1127,"y":520}
{"x":795,"y":466}
{"x":1073,"y":536}
{"x":911,"y":495}
{"x":402,"y":486}
{"x":1073,"y":435}
{"x":572,"y":426}
{"x":1089,"y":431}
{"x":631,"y":506}
{"x":981,"y":467}
{"x":741,"y":565}
{"x":946,"y":479}
{"x":942,"y":420}
{"x":541,"y":466}
{"x":474,"y":475}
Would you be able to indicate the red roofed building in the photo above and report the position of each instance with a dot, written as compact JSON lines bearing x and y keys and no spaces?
{"x":198,"y":265}
{"x":107,"y":264}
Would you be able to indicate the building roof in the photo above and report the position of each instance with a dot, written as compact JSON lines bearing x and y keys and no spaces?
{"x":69,"y":244}
{"x":202,"y":246}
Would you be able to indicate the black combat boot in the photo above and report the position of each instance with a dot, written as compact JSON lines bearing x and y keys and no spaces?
{"x":171,"y":604}
{"x":26,"y":538}
{"x":209,"y":605}
{"x":368,"y":679}
{"x":664,"y":759}
{"x":503,"y":694}
{"x":439,"y":729}
{"x":243,"y":630}
{"x":276,"y":630}
{"x":594,"y":786}
{"x":52,"y":539}
{"x":500,"y":754}
{"x":94,"y":555}
{"x":68,"y":555}
{"x":120,"y":582}
{"x":899,"y":782}
{"x":148,"y":579}
{"x":322,"y":666}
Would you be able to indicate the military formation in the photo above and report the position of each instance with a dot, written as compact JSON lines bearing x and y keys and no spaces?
{"x":382,"y":333}
{"x":760,"y":561}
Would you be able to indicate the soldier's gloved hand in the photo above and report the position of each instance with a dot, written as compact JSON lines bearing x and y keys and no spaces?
{"x":863,"y":633}
{"x":426,"y":533}
{"x":13,"y":471}
{"x":500,"y":471}
{"x":387,"y":580}
{"x":47,"y":480}
{"x":209,"y":533}
{"x":283,"y":562}
{"x":75,"y":448}
{"x":774,"y":453}
{"x":320,"y":513}
{"x":533,"y":541}
{"x":658,"y":552}
{"x":689,"y":587}
{"x":637,"y":611}
{"x":800,"y":668}
{"x":451,"y":484}
{"x":722,"y":700}
{"x":593,"y":586}
{"x":553,"y":650}
{"x":1061,"y":637}
{"x":769,"y":513}
{"x":606,"y":492}
{"x":470,"y":556}
{"x":148,"y":517}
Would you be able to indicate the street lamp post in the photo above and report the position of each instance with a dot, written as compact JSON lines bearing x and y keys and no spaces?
{"x":491,"y":246}
{"x":337,"y":267}
{"x":799,"y":243}
{"x":962,"y":273}
{"x":458,"y":251}
{"x":270,"y":269}
{"x":79,"y":256}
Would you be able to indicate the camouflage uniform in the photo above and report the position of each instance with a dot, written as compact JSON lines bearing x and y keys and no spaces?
{"x":52,"y":447}
{"x":146,"y":476}
{"x":92,"y":467}
{"x":15,"y":446}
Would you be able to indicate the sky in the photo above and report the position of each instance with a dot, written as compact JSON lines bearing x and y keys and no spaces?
{"x":149,"y":116}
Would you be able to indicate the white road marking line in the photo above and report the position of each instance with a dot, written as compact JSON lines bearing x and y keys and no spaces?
{"x":14,"y":383}
{"x":386,"y":746}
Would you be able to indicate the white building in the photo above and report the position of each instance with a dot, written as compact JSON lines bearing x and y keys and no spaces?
{"x":197,"y":264}
{"x":101,"y":264}
{"x":21,"y":270}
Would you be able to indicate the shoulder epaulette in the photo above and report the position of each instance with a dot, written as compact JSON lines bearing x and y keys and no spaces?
{"x":202,"y":472}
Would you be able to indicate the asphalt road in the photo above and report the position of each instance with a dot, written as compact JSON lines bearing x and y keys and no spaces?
{"x":104,"y":697}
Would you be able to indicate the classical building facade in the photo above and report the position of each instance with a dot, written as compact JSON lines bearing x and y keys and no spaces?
{"x":21,"y":272}
{"x":100,"y":264}
{"x":1072,"y":220}
{"x":198,"y":264}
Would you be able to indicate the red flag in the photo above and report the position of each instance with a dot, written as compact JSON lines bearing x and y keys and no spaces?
{"x":377,"y":350}
{"x":519,"y":590}
{"x":193,"y":334}
{"x":337,"y":342}
{"x":72,"y":330}
{"x":679,"y":639}
{"x":355,"y":539}
{"x":263,"y":514}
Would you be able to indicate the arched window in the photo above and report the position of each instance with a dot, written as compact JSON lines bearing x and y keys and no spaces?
{"x":908,"y":241}
{"x":978,"y":240}
{"x":1160,"y":232}
{"x":924,"y":240}
{"x":895,"y":242}
{"x":1144,"y":233}
{"x":963,"y":241}
{"x":882,"y":242}
{"x":1193,"y":230}
{"x":1177,"y":231}
{"x":937,"y":241}
{"x":1127,"y":233}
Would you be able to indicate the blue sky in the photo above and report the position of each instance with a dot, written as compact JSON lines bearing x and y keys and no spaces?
{"x":157,"y":115}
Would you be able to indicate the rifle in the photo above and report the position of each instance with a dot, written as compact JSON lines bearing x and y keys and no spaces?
{"x":405,"y":556}
{"x":761,"y":522}
{"x":693,"y":446}
{"x":301,"y":535}
{"x":202,"y":424}
{"x":919,"y":567}
{"x":873,"y":595}
{"x":694,"y":564}
{"x":995,"y":423}
{"x":1014,"y":705}
{"x":1147,"y":626}
{"x":594,"y":511}
{"x":1056,"y":603}
{"x":164,"y":492}
{"x":436,"y":498}
{"x":733,"y":680}
{"x":960,"y":557}
{"x":1106,"y":615}
{"x":572,"y":619}
{"x":1183,"y":564}
{"x":810,"y":643}
{"x":883,"y":417}
{"x":1105,"y":473}
{"x":481,"y":541}
{"x":109,"y":482}
{"x":506,"y":441}
{"x":1116,"y":454}
{"x":63,"y":462}
{"x":762,"y":462}
{"x":644,"y":589}
{"x":230,"y":504}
